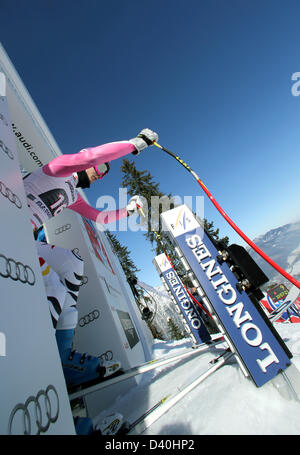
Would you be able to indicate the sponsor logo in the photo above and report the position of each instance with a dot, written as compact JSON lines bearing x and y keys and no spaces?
{"x":226,"y":293}
{"x":179,"y":220}
{"x":259,"y":348}
{"x":183,"y":305}
{"x":85,"y":320}
{"x":162,"y":263}
{"x":16,"y":270}
{"x":27,"y":146}
{"x":106,"y":356}
{"x":8,"y":193}
{"x":62,"y":229}
{"x":38,"y":412}
{"x":184,"y":301}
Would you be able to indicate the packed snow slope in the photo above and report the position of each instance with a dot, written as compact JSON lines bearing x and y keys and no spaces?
{"x":226,"y":403}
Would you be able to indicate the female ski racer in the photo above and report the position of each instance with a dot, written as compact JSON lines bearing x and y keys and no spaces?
{"x":49,"y":191}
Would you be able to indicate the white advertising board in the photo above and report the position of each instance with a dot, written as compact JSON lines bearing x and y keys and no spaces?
{"x":33,"y":393}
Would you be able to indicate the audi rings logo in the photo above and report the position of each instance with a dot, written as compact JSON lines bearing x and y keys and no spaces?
{"x":17,"y":271}
{"x":108,"y":355}
{"x":62,"y":229}
{"x":36,"y":414}
{"x":89,"y":318}
{"x":7,"y":192}
{"x":6,"y":150}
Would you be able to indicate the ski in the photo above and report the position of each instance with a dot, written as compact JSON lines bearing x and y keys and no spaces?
{"x":145,"y":367}
{"x":289,"y":301}
{"x":167,"y":402}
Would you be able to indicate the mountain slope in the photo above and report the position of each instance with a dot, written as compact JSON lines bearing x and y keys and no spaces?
{"x":283,"y":246}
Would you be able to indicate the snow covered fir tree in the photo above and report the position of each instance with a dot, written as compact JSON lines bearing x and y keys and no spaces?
{"x":143,"y":183}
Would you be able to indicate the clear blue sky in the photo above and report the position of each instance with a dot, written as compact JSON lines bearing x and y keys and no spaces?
{"x":213,"y":78}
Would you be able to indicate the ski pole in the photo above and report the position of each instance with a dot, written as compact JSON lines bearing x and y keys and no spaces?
{"x":162,"y":407}
{"x":232,"y":224}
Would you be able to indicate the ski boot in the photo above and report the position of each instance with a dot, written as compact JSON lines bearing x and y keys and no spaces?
{"x":82,"y":369}
{"x":112,"y":425}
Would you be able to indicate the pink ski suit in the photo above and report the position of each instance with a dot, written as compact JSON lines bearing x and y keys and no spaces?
{"x":52,"y":188}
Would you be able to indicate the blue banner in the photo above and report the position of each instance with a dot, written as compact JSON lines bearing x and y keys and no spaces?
{"x":258,"y":345}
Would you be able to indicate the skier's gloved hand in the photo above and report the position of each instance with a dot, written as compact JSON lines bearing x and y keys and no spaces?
{"x":134,"y":204}
{"x":144,"y":138}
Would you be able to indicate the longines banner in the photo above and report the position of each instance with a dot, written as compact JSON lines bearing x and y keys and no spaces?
{"x":255,"y":341}
{"x":193,"y":321}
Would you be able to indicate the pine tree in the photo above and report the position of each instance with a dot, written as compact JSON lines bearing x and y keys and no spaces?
{"x":209,"y":229}
{"x":142,"y":183}
{"x":174,"y":330}
{"x":123,"y":255}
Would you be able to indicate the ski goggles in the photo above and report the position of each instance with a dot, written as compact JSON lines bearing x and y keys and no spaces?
{"x":102,"y":169}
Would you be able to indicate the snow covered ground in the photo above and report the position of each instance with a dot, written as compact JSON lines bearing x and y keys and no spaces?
{"x":226,"y":403}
